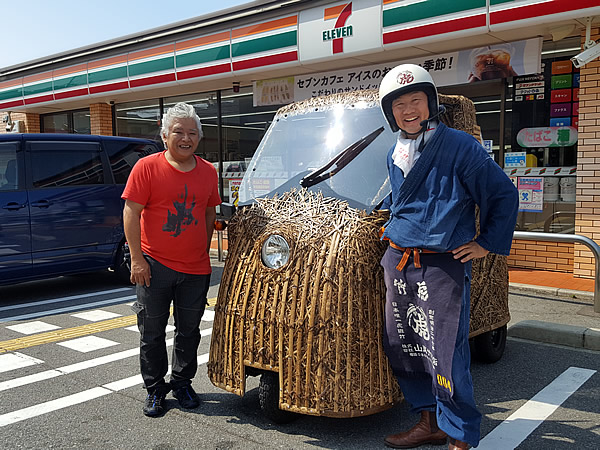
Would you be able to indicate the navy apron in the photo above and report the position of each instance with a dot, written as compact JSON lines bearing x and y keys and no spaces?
{"x":422,"y":312}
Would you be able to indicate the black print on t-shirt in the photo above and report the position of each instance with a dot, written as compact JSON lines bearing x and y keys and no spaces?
{"x":177,"y":222}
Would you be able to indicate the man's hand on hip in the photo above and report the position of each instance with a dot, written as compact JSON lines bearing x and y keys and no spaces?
{"x":469,"y":251}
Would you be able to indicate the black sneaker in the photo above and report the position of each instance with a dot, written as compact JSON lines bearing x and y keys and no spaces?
{"x":186,"y":397}
{"x":154,"y":405}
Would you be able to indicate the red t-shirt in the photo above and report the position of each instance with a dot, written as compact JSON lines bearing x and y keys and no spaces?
{"x":173,"y":219}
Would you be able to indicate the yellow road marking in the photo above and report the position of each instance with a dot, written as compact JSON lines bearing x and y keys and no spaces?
{"x":70,"y":333}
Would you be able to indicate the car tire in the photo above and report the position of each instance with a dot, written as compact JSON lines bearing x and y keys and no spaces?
{"x":489,"y":347}
{"x":268,"y":396}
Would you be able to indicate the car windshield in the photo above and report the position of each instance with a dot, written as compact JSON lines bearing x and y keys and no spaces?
{"x":339,"y":147}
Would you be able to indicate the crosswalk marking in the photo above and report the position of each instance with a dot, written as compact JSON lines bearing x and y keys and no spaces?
{"x":96,"y":315}
{"x":64,"y":334}
{"x":32,"y":327}
{"x":15,"y":360}
{"x":52,"y":405}
{"x":75,"y":399}
{"x":515,"y":429}
{"x":83,"y":330}
{"x":48,"y":374}
{"x":87,"y":344}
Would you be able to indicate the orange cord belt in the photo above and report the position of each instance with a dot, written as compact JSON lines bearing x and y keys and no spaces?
{"x":407,"y":251}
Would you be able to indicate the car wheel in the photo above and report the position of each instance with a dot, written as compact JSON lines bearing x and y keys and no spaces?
{"x":268,"y":396}
{"x":489,"y":347}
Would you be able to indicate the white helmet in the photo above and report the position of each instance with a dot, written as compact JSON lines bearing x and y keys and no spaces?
{"x":401,"y":80}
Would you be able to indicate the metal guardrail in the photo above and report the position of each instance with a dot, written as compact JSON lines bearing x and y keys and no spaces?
{"x":570,"y":238}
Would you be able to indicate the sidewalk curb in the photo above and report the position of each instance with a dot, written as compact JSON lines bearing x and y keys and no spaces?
{"x":546,"y":290}
{"x":556,"y":333}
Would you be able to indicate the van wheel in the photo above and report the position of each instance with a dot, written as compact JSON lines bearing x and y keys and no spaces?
{"x":489,"y":347}
{"x":122,"y":269}
{"x":268,"y":396}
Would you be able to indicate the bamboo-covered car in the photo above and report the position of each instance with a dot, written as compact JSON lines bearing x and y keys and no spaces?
{"x":302,"y":293}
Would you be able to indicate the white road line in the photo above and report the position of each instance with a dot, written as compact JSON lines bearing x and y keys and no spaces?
{"x":75,"y":399}
{"x":514,"y":430}
{"x":48,"y":374}
{"x":16,"y":360}
{"x":62,"y":299}
{"x":87,"y":344}
{"x":53,"y":405}
{"x":67,"y":309}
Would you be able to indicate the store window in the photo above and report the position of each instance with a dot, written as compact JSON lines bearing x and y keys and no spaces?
{"x":543,"y":158}
{"x":244,"y":125}
{"x":205,"y":105}
{"x":72,"y":122}
{"x":139,"y":119}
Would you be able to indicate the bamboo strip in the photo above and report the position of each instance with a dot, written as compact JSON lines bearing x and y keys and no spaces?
{"x":301,"y":318}
{"x":311,"y":321}
{"x":261,"y":321}
{"x":251,"y":322}
{"x":288,"y":358}
{"x":324,"y":319}
{"x":338,"y":338}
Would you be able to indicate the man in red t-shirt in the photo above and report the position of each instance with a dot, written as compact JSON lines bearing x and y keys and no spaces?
{"x":169,"y":216}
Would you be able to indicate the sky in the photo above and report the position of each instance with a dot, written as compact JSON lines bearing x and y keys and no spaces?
{"x":34,"y":29}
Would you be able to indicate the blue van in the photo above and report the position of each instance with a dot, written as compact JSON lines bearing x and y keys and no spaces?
{"x":60,"y":203}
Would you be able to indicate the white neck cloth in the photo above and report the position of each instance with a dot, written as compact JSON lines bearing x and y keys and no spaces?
{"x":406,"y":152}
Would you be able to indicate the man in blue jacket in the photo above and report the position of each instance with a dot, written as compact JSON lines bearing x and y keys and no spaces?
{"x":438,"y":175}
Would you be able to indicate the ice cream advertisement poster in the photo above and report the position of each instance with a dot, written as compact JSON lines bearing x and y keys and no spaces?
{"x":531,"y":193}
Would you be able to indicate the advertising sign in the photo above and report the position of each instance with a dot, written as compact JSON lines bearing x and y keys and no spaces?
{"x":515,"y":159}
{"x":531,"y":194}
{"x":547,"y":137}
{"x":488,"y":144}
{"x":278,"y":91}
{"x":234,"y":190}
{"x":521,"y":57}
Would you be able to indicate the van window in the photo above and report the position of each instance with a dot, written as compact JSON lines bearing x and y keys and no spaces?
{"x":123,"y":155}
{"x":9,"y":177}
{"x":65,"y":164}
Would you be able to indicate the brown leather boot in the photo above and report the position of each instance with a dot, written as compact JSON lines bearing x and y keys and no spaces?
{"x":424,"y":432}
{"x":455,"y":444}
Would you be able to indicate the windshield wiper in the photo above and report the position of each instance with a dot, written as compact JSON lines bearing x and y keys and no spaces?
{"x":340,"y":161}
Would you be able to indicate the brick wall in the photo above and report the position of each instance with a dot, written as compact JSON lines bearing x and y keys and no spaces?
{"x":556,"y":256}
{"x":31,"y":121}
{"x":101,"y":119}
{"x":587,"y":207}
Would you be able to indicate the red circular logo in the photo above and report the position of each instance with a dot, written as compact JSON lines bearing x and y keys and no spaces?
{"x":405,"y":78}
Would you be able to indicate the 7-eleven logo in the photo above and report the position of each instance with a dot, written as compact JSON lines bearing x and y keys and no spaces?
{"x":340,"y":31}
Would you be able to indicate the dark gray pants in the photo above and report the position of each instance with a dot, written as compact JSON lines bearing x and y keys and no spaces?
{"x":188,"y":294}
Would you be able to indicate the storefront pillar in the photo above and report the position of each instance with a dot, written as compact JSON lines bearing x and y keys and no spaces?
{"x":101,"y":119}
{"x":587,"y":208}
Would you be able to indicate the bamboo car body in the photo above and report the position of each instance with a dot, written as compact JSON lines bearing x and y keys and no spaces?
{"x":317,"y":321}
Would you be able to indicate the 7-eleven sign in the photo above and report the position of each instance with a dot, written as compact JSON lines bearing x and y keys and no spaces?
{"x":340,"y":29}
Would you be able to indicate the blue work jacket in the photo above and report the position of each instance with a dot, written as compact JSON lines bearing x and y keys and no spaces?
{"x":434,"y":206}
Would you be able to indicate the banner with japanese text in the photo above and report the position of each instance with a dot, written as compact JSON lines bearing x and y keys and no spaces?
{"x":465,"y":66}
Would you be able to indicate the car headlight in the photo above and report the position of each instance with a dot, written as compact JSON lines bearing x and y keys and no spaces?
{"x":275,"y":252}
